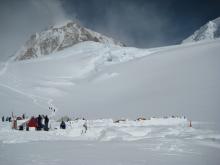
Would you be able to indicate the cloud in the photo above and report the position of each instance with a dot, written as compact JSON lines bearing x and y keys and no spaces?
{"x":52,"y":9}
{"x":136,"y":23}
{"x":20,"y":19}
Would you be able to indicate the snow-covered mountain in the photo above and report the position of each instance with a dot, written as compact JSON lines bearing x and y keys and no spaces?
{"x":93,"y":80}
{"x":209,"y":31}
{"x":59,"y":37}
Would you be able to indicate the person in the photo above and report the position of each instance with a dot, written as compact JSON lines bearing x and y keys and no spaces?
{"x":85,"y":128}
{"x":9,"y":119}
{"x":63,"y":125}
{"x":3,"y":118}
{"x":14,"y":123}
{"x":39,"y":122}
{"x":27,"y":126}
{"x":23,"y":116}
{"x":46,"y":121}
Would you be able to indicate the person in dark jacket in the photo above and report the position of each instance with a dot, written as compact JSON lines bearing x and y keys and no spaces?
{"x":46,"y":121}
{"x":85,"y":127}
{"x":39,"y":122}
{"x":62,"y":125}
{"x":3,"y":118}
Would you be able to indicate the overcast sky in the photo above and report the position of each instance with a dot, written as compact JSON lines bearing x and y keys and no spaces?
{"x":139,"y":23}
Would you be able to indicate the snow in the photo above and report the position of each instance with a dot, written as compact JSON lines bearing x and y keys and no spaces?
{"x":101,"y":130}
{"x":134,"y":82}
{"x":62,"y":23}
{"x":108,"y":82}
{"x":130,"y":142}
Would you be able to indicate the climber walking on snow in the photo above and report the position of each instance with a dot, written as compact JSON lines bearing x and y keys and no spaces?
{"x":85,"y":128}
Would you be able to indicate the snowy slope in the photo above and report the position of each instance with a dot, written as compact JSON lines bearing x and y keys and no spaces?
{"x":96,"y":81}
{"x":59,"y":37}
{"x":93,"y":80}
{"x":209,"y":31}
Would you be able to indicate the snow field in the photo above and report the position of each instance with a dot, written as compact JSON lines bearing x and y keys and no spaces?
{"x":158,"y":129}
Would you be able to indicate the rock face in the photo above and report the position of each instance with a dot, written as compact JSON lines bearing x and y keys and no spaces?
{"x":209,"y":31}
{"x":60,"y":37}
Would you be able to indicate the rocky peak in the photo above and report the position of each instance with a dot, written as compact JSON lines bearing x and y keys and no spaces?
{"x":59,"y":37}
{"x":209,"y":31}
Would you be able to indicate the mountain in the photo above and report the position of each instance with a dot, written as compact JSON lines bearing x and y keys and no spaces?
{"x":94,"y":81}
{"x":59,"y":37}
{"x":209,"y":31}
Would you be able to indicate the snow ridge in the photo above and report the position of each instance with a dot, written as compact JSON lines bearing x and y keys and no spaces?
{"x":209,"y":31}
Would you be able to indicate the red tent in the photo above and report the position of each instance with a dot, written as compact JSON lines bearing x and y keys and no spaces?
{"x":32,"y":122}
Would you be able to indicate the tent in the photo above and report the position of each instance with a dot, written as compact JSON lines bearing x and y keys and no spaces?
{"x":32,"y":122}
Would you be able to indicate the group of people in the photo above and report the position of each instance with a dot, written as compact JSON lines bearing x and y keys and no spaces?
{"x":40,"y":124}
{"x":10,"y":118}
{"x":63,"y":126}
{"x":6,"y":119}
